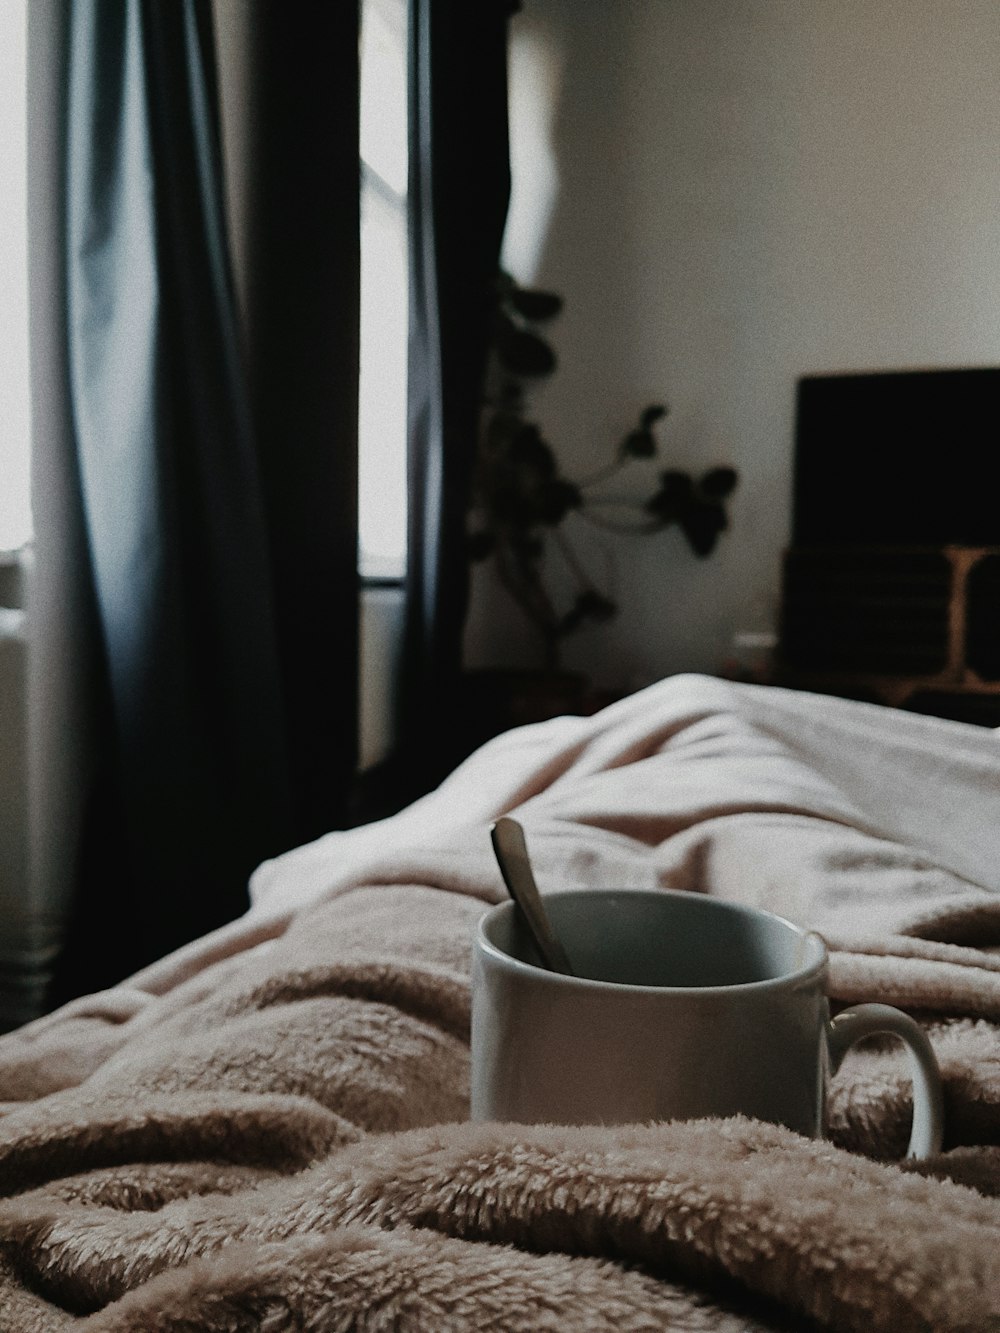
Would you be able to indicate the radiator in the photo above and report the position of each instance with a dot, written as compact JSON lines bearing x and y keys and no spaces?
{"x":39,"y":798}
{"x":22,"y":981}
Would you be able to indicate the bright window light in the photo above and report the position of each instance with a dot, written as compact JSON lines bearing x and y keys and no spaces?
{"x":15,"y":421}
{"x":382,"y":406}
{"x":382,"y":423}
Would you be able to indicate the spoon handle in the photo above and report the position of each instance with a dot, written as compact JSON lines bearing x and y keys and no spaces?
{"x":511,"y":852}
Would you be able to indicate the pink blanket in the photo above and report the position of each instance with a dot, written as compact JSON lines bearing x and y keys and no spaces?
{"x":266,"y":1129}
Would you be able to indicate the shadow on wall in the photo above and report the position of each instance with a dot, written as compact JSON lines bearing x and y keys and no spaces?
{"x":564,"y":114}
{"x":734,"y":196}
{"x":537,"y":70}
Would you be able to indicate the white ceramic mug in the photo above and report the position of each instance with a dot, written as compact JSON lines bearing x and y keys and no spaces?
{"x":682,"y":1006}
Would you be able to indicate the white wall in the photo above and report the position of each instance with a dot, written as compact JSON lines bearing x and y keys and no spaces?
{"x":729,"y":194}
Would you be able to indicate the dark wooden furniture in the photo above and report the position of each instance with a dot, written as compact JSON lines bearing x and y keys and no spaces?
{"x":912,"y":627}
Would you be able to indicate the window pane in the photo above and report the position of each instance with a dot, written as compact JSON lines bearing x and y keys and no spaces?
{"x":383,"y":91}
{"x":382,"y":407}
{"x":15,"y":432}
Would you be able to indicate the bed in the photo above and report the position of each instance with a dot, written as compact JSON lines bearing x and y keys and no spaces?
{"x":269,"y":1129}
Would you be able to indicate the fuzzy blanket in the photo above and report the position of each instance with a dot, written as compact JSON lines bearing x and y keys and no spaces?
{"x":268,"y":1130}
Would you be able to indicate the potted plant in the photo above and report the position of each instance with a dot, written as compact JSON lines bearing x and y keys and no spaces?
{"x":521,"y":497}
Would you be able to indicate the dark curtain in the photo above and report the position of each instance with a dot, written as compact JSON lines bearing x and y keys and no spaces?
{"x":458,"y":197}
{"x":303,"y":263}
{"x":220,"y":523}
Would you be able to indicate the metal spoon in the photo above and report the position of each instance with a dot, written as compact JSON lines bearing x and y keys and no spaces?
{"x":511,"y":852}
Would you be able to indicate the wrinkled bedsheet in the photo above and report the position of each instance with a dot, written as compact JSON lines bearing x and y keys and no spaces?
{"x":269,"y":1129}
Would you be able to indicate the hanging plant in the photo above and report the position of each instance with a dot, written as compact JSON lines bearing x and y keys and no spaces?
{"x":521,"y":498}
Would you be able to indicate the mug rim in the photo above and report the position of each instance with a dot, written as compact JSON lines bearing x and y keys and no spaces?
{"x":531,"y":971}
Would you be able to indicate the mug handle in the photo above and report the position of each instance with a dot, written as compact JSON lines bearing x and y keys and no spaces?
{"x":865,"y":1020}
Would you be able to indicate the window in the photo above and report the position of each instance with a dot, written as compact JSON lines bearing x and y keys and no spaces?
{"x":382,"y":410}
{"x":15,"y":433}
{"x":382,"y":407}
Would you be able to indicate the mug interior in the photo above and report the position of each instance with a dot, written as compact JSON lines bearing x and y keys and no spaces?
{"x":660,"y":938}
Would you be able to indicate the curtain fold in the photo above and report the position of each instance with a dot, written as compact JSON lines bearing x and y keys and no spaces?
{"x":301,"y":209}
{"x":459,"y":192}
{"x":219,"y":537}
{"x":194,"y":791}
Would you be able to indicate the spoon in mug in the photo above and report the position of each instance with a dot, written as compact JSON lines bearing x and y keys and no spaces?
{"x":511,"y":852}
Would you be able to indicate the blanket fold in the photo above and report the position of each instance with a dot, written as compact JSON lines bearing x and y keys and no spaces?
{"x":269,"y":1129}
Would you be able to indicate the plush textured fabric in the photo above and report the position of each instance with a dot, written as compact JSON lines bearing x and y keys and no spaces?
{"x":269,"y":1129}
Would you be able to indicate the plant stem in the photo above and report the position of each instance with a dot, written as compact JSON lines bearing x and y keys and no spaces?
{"x":609,"y":524}
{"x":524,"y":585}
{"x":602,"y":473}
{"x":569,"y":555}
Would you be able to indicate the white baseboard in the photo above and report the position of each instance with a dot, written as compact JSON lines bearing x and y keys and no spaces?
{"x":378,"y":670}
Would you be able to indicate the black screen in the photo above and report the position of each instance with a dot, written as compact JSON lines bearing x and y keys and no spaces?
{"x":898,"y":458}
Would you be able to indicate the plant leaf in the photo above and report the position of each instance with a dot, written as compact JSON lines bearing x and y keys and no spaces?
{"x":674,"y":495}
{"x":639,"y":444}
{"x":481,"y":545}
{"x":534,"y":305}
{"x":556,"y":498}
{"x":652,"y":414}
{"x":522,"y":352}
{"x":531,"y":454}
{"x":701,"y":523}
{"x":595,"y":606}
{"x":588,"y":605}
{"x":718,"y":482}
